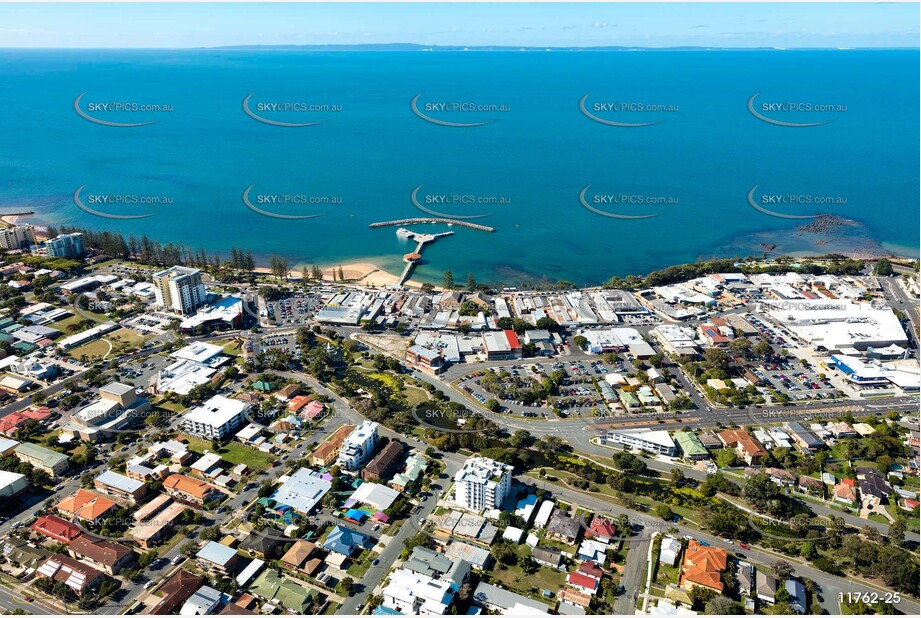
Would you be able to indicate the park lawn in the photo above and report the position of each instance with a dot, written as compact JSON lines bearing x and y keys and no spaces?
{"x":235,"y":453}
{"x":94,"y":350}
{"x":530,"y":584}
{"x":62,"y":325}
{"x":127,"y":337}
{"x":415,"y":395}
{"x":234,"y":348}
{"x":172,"y":406}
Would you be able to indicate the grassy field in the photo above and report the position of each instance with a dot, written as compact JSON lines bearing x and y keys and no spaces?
{"x":529,"y":584}
{"x":235,"y":453}
{"x":234,"y":348}
{"x":415,"y":396}
{"x":62,"y":325}
{"x":94,"y":350}
{"x":122,"y":340}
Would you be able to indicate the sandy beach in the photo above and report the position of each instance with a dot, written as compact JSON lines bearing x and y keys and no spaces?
{"x":363,"y":273}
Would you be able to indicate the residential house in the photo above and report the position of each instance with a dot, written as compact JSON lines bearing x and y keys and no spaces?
{"x":302,"y":557}
{"x":796,"y":593}
{"x":214,"y":557}
{"x":191,"y":490}
{"x":601,"y":529}
{"x":345,"y":541}
{"x":106,"y":555}
{"x":745,"y":445}
{"x":703,"y":566}
{"x":765,"y":587}
{"x":178,"y":588}
{"x":74,"y":574}
{"x":552,"y":558}
{"x":86,"y":506}
{"x":670,"y":550}
{"x":56,"y":528}
{"x":564,"y":528}
{"x":582,"y":583}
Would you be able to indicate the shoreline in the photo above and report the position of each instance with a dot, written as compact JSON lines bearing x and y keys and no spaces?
{"x":7,"y":221}
{"x":366,"y":271}
{"x":355,"y":273}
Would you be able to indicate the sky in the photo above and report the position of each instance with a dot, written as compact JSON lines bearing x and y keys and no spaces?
{"x":168,"y":25}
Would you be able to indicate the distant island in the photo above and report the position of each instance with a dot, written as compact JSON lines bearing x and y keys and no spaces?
{"x":415,"y":47}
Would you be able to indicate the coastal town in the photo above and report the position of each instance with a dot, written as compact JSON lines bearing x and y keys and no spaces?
{"x":189,"y":434}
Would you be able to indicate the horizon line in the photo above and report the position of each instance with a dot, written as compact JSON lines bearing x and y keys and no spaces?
{"x":410,"y":47}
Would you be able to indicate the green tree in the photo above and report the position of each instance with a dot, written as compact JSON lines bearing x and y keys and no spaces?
{"x":883,"y":268}
{"x":448,"y":281}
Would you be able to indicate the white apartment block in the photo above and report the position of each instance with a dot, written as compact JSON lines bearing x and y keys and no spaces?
{"x":179,"y":289}
{"x":18,"y":237}
{"x":216,"y":418}
{"x":358,"y":447}
{"x":482,"y":484}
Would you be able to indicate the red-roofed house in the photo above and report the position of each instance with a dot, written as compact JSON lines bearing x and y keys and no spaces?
{"x":712,"y":335}
{"x":298,"y":402}
{"x":703,"y":566}
{"x":845,"y":492}
{"x":11,"y":422}
{"x":56,"y":528}
{"x":601,"y":529}
{"x":582,"y":583}
{"x":591,"y":569}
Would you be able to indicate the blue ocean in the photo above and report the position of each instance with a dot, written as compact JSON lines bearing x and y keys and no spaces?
{"x":526,"y":154}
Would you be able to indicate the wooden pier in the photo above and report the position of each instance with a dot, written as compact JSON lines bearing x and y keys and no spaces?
{"x":412,"y":259}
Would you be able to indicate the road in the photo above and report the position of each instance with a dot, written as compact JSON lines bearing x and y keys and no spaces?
{"x":633,"y":578}
{"x":830,"y":585}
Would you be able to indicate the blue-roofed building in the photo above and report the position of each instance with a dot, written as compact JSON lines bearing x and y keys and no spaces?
{"x":344,"y":541}
{"x":356,"y":516}
{"x":216,"y":557}
{"x":380,"y":610}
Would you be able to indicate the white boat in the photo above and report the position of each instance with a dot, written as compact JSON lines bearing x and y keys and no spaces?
{"x":404,"y":233}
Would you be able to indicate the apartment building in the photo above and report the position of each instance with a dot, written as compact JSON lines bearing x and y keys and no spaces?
{"x":66,"y":246}
{"x":358,"y":447}
{"x":179,"y":289}
{"x":217,"y":418}
{"x":18,"y":237}
{"x":482,"y":484}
